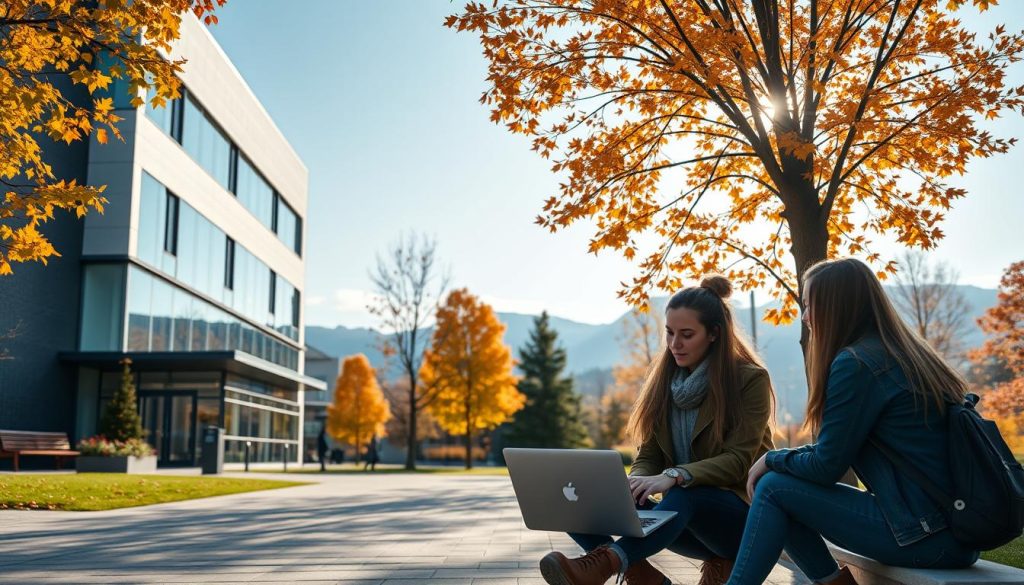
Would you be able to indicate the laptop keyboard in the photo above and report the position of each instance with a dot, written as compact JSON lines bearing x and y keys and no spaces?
{"x":645,"y":522}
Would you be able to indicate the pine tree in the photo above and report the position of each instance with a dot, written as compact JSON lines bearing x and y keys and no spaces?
{"x":121,"y":420}
{"x":552,"y":417}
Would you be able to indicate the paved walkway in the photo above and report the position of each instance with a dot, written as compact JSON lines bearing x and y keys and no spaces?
{"x":390,"y":529}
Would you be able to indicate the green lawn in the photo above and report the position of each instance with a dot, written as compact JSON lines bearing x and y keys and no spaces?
{"x":107,"y":491}
{"x":351,"y":468}
{"x":1011,"y":554}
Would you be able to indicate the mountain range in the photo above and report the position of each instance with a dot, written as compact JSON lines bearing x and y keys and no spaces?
{"x":594,"y":349}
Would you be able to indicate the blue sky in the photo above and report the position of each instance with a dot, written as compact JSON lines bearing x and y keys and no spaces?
{"x":380,"y":101}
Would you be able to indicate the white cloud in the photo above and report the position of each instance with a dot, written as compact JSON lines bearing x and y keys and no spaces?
{"x":506,"y":305}
{"x":348,"y":300}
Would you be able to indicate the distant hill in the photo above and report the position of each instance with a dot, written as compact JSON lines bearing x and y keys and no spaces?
{"x":594,"y":349}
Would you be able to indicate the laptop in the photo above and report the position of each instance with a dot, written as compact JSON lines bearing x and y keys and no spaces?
{"x":578,"y":490}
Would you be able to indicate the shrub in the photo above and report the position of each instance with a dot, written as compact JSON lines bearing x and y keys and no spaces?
{"x":121,"y":420}
{"x":104,"y":447}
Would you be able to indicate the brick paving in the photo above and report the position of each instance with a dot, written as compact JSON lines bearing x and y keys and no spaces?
{"x":387,"y":529}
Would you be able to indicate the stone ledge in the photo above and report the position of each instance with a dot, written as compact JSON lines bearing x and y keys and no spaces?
{"x":870,"y":572}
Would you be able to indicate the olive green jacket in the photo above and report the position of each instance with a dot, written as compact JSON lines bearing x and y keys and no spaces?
{"x":728,"y":465}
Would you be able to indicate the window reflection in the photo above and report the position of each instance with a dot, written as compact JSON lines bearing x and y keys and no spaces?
{"x":163,"y":317}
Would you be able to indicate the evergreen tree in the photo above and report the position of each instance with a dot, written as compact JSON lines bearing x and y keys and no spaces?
{"x":552,"y":417}
{"x":121,"y":420}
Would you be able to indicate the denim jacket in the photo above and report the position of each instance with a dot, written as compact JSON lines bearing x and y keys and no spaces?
{"x":868,"y":396}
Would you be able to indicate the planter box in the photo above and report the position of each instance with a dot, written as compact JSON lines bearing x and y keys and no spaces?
{"x":117,"y":464}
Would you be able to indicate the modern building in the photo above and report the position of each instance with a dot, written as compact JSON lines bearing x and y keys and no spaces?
{"x":325,"y":368}
{"x":195,"y":271}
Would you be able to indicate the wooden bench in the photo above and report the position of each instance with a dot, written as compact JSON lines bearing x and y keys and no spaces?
{"x":870,"y":572}
{"x":14,"y":444}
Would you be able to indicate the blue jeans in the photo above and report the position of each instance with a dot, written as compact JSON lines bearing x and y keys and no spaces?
{"x":799,"y":515}
{"x":708,"y":522}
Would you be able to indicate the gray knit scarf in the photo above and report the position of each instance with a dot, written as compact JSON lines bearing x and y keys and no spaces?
{"x":688,"y":392}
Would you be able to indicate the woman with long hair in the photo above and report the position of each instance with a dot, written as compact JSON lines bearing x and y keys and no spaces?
{"x":872,"y":380}
{"x":701,"y":419}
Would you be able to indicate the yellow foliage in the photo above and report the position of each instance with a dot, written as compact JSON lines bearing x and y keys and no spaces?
{"x":747,"y":139}
{"x":470,"y":368}
{"x":1012,"y":429}
{"x":93,"y":45}
{"x":359,"y":410}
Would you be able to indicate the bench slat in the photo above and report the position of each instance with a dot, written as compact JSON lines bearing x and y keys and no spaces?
{"x":21,"y":441}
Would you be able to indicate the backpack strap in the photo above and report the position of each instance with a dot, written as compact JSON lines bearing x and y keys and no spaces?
{"x":937,"y":494}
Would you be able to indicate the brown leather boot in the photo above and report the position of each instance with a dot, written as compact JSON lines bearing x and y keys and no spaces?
{"x":593,"y":568}
{"x":644,"y":573}
{"x":715,"y":571}
{"x":845,"y":578}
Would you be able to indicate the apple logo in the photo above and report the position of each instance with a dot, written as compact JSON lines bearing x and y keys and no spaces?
{"x":570,"y":492}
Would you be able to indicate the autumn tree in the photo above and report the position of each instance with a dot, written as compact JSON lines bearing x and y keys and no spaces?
{"x":470,"y":368}
{"x":615,"y":409}
{"x":408,"y":285}
{"x":1004,"y":324}
{"x":397,"y":393}
{"x":47,"y":47}
{"x":359,"y":410}
{"x":927,"y":295}
{"x":551,"y":416}
{"x":640,"y":340}
{"x":734,"y":133}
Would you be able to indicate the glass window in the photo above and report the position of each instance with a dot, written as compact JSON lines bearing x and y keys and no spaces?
{"x":200,"y":325}
{"x":229,"y":263}
{"x":102,"y":307}
{"x":218,"y":335}
{"x":287,"y":225}
{"x":205,"y":142}
{"x":163,"y":297}
{"x":182,"y":321}
{"x":188,"y":218}
{"x":171,"y":224}
{"x":152,"y":220}
{"x":204,"y":235}
{"x":208,"y":412}
{"x":163,"y":116}
{"x":273,"y":295}
{"x":163,"y":317}
{"x":254,"y":193}
{"x":140,"y":289}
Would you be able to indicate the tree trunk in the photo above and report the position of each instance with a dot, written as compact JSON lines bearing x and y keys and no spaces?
{"x":469,"y":430}
{"x":809,"y":231}
{"x":410,"y":441}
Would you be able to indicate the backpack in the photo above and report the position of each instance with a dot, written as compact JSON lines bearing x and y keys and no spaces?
{"x":986,"y":508}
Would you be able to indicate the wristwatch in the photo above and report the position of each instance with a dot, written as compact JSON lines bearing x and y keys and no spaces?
{"x":678,"y":474}
{"x":673,"y":472}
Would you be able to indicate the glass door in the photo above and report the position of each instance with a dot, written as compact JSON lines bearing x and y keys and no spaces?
{"x":170,"y":422}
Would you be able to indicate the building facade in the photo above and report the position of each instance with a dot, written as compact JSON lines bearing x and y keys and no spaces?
{"x":195,"y":271}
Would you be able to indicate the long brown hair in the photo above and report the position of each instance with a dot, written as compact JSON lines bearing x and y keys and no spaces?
{"x":725,"y":355}
{"x":846,"y":301}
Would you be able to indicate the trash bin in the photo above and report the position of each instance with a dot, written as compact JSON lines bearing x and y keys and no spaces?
{"x":212,"y":458}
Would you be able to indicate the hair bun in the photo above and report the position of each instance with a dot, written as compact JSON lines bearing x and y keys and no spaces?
{"x":718,"y":284}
